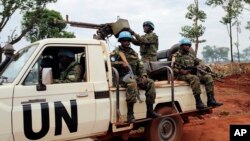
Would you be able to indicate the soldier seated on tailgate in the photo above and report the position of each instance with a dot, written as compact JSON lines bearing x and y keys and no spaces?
{"x":71,"y":71}
{"x":183,"y":60}
{"x":129,"y":61}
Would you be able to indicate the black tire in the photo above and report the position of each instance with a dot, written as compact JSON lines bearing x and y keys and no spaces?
{"x":165,"y":129}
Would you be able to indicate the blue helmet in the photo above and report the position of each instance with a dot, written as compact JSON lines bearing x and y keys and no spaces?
{"x":125,"y":35}
{"x":185,"y":41}
{"x":150,"y":24}
{"x":64,"y":52}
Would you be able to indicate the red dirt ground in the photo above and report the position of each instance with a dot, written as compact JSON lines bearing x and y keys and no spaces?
{"x":235,"y":94}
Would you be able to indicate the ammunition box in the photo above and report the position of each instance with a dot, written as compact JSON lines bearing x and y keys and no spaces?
{"x":120,"y":25}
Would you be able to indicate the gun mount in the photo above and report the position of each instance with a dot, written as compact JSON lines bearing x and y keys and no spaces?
{"x":103,"y":30}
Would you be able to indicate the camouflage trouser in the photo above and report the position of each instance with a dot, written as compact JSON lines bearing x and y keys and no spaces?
{"x":132,"y":90}
{"x":195,"y":81}
{"x":145,"y":58}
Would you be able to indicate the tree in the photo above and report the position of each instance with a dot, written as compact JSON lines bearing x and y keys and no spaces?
{"x":248,"y":26}
{"x":208,"y":53}
{"x":46,"y":27}
{"x":233,"y":9}
{"x":195,"y":31}
{"x":237,"y":44}
{"x":215,"y":53}
{"x":222,"y":53}
{"x":246,"y":53}
{"x":9,"y":7}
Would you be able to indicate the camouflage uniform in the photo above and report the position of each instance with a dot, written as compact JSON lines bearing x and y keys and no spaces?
{"x":183,"y":60}
{"x":73,"y":73}
{"x":148,"y":46}
{"x":139,"y":72}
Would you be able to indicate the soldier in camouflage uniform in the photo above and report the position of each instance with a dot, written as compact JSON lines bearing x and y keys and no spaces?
{"x":71,"y":70}
{"x":126,"y":57}
{"x":148,"y":43}
{"x":183,"y":59}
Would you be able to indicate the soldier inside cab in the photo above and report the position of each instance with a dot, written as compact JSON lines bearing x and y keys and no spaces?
{"x":71,"y":70}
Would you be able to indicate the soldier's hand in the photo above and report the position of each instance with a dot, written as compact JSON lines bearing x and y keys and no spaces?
{"x":124,"y":64}
{"x":184,"y":72}
{"x":142,"y":81}
{"x":131,"y":31}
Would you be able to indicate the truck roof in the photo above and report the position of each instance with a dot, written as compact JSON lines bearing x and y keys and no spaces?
{"x":69,"y":40}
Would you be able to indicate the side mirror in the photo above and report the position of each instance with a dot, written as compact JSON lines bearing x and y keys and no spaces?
{"x":47,"y":77}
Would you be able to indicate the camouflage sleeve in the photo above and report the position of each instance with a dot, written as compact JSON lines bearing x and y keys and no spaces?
{"x":114,"y":57}
{"x":149,"y":39}
{"x":176,"y":63}
{"x":78,"y":73}
{"x":142,"y":70}
{"x":73,"y":75}
{"x":135,"y":42}
{"x":197,"y":61}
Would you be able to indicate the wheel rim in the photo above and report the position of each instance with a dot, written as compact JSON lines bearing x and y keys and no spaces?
{"x":166,"y":129}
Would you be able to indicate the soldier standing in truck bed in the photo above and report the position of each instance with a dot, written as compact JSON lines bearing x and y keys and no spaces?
{"x":148,"y":43}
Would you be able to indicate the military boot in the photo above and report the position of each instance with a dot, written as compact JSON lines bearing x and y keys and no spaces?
{"x":199,"y":103}
{"x":211,"y":102}
{"x":130,"y":114}
{"x":151,"y":113}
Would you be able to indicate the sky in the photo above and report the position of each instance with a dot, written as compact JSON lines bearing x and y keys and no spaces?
{"x":168,"y":17}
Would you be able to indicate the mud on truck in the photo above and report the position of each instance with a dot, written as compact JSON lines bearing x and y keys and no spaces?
{"x":32,"y":107}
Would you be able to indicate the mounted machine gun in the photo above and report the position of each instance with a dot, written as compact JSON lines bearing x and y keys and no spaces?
{"x":103,"y":30}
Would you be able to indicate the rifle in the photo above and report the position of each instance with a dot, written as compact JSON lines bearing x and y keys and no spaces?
{"x":208,"y":70}
{"x":199,"y":70}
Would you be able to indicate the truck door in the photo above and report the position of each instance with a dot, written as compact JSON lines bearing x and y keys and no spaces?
{"x":63,"y":110}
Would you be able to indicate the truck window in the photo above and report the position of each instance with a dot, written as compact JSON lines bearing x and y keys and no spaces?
{"x":16,"y":65}
{"x":67,"y":64}
{"x":32,"y":78}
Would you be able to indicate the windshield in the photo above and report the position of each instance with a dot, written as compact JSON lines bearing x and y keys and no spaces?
{"x":17,"y":63}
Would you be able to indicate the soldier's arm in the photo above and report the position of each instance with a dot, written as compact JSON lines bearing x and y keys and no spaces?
{"x":149,"y":39}
{"x":135,"y":42}
{"x":115,"y":58}
{"x":123,"y":57}
{"x":74,"y":75}
{"x":142,"y":71}
{"x":198,"y":61}
{"x":176,"y":64}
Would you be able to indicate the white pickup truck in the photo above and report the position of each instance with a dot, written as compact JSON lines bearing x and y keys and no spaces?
{"x":33,"y":108}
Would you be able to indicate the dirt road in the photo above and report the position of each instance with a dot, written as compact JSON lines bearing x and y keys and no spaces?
{"x":235,"y":94}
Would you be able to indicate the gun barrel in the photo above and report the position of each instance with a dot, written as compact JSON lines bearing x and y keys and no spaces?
{"x":84,"y":25}
{"x":79,"y":24}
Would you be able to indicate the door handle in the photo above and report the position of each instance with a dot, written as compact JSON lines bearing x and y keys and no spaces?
{"x":85,"y":94}
{"x":33,"y":101}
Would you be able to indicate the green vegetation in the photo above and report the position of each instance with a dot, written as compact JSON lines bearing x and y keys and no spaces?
{"x":213,"y":54}
{"x":46,"y":27}
{"x":195,"y":31}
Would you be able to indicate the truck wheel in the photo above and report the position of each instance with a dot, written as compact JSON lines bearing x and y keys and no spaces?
{"x":165,"y":129}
